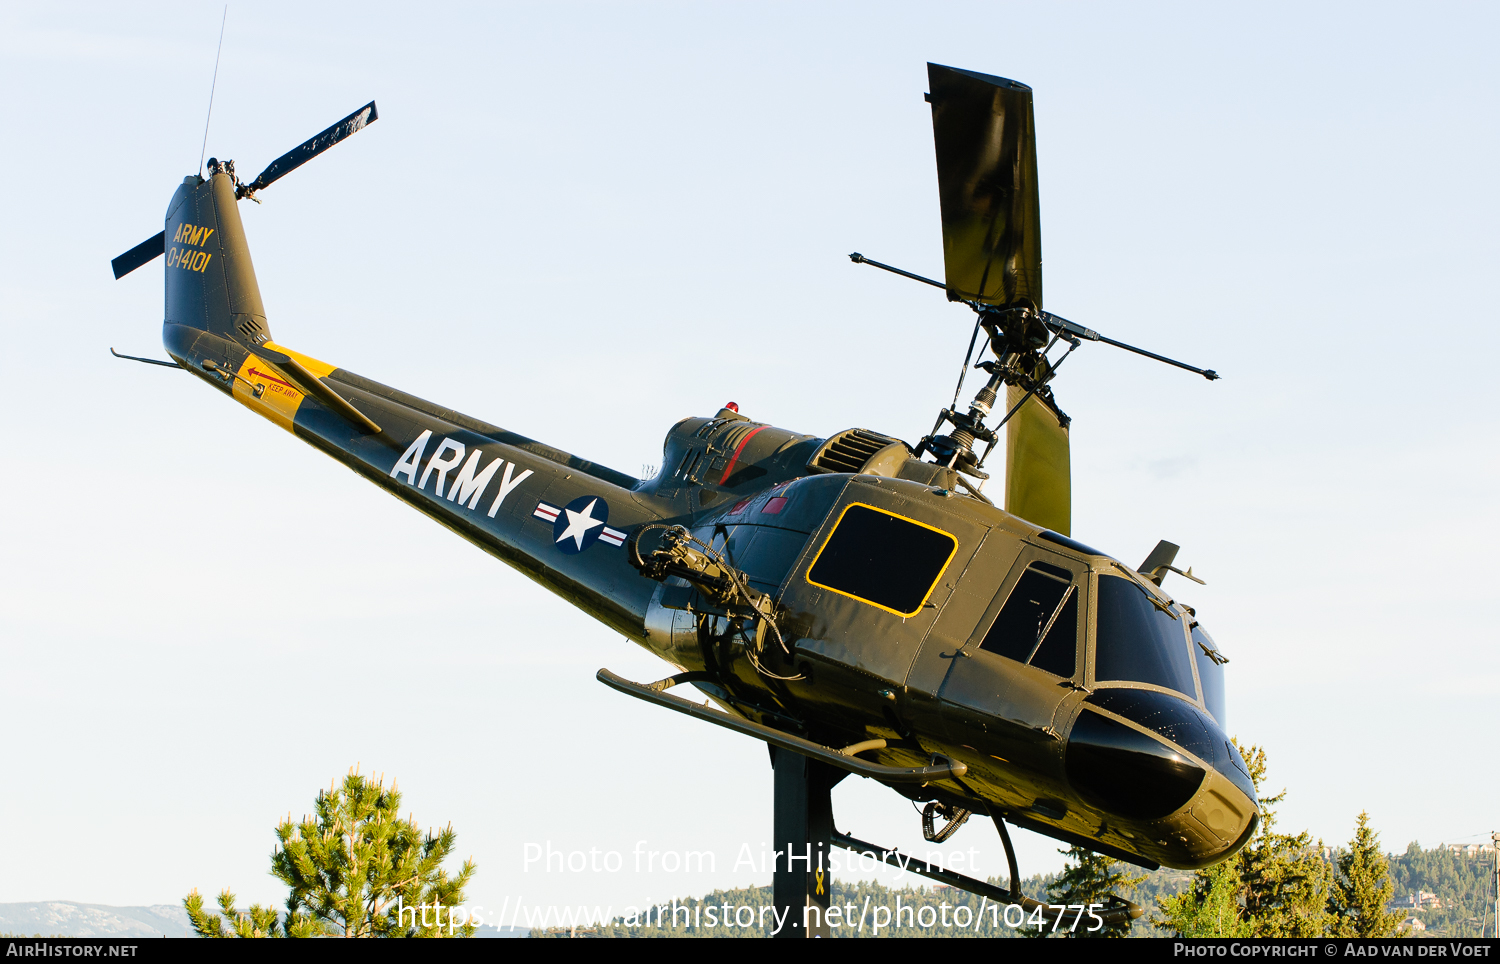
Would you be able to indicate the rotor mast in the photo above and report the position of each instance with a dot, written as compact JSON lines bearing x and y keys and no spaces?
{"x":1019,"y":341}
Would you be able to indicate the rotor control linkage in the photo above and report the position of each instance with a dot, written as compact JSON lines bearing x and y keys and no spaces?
{"x":1058,"y":323}
{"x":1020,"y":343}
{"x":858,"y":258}
{"x":1052,"y":321}
{"x":1020,"y":334}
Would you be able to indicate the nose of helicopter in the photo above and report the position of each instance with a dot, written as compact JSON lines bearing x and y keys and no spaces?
{"x":1179,"y":790}
{"x":1215,"y":824}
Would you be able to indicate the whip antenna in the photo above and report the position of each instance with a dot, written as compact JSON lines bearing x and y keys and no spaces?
{"x":203,"y":153}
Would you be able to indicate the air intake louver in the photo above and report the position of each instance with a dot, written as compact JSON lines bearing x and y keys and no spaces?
{"x":253,"y":331}
{"x":849,"y":450}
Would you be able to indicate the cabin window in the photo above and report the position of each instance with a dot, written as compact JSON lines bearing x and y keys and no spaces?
{"x":1039,"y":622}
{"x":882,"y":559}
{"x":1137,"y":642}
{"x":1210,"y":672}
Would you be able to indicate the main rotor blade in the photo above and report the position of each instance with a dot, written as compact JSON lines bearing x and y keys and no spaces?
{"x":1038,"y":470}
{"x":985,"y":135}
{"x":311,"y":148}
{"x":139,"y":255}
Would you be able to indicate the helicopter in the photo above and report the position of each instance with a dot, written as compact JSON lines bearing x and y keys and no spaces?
{"x":856,"y":602}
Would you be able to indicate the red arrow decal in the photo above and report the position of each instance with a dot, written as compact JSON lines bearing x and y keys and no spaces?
{"x":271,"y":378}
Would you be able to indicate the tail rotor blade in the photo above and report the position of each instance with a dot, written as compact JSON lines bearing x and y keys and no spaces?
{"x":139,"y":255}
{"x":301,"y":154}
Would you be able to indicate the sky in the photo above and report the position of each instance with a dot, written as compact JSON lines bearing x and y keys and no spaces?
{"x":584,"y":222}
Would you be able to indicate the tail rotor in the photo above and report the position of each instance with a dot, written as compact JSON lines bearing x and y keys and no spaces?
{"x":154,"y":247}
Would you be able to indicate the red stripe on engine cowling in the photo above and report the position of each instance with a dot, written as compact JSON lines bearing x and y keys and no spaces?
{"x":736,"y":457}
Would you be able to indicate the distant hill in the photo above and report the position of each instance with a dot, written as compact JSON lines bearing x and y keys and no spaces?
{"x":1464,"y":883}
{"x":67,"y":918}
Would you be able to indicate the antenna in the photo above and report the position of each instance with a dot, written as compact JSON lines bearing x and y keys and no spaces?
{"x":1495,"y":837}
{"x":212,"y":86}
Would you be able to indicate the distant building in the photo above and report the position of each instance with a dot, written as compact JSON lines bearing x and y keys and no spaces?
{"x":1421,"y":900}
{"x":1412,"y":925}
{"x":1469,"y":850}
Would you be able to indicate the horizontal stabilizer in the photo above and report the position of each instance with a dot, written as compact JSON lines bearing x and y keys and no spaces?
{"x":311,"y":385}
{"x":139,"y":255}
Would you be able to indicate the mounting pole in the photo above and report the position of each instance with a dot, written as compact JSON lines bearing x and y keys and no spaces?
{"x":802,"y":822}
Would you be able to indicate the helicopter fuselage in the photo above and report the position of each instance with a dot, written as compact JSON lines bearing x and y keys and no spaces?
{"x":1084,"y":702}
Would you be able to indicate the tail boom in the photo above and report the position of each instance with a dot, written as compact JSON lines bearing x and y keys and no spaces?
{"x":557,"y":518}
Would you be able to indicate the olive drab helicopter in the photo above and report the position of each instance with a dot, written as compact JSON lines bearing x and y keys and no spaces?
{"x":855,"y":602}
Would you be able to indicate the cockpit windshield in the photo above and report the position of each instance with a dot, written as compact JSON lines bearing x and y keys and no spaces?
{"x":1137,"y":642}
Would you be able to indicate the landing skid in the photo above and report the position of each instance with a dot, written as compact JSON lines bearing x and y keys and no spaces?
{"x":805,"y":774}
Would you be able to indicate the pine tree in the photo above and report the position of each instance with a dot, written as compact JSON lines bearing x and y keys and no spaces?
{"x":1211,"y":908}
{"x":1277,"y":886}
{"x":258,"y":921}
{"x":1284,"y":879}
{"x":355,"y":869}
{"x":1087,"y":878}
{"x":1362,"y":888}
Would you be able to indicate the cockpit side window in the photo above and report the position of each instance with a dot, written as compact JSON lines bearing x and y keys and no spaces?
{"x":1137,"y":642}
{"x":1039,"y":621}
{"x":1210,"y":672}
{"x":883,"y":559}
{"x":1058,"y":652}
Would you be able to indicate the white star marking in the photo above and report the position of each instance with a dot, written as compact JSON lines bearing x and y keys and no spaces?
{"x":579,"y":523}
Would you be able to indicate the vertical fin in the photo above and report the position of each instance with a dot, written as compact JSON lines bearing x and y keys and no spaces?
{"x":211,"y":282}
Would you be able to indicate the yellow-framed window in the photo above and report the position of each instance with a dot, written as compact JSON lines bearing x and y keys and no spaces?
{"x":882,"y":558}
